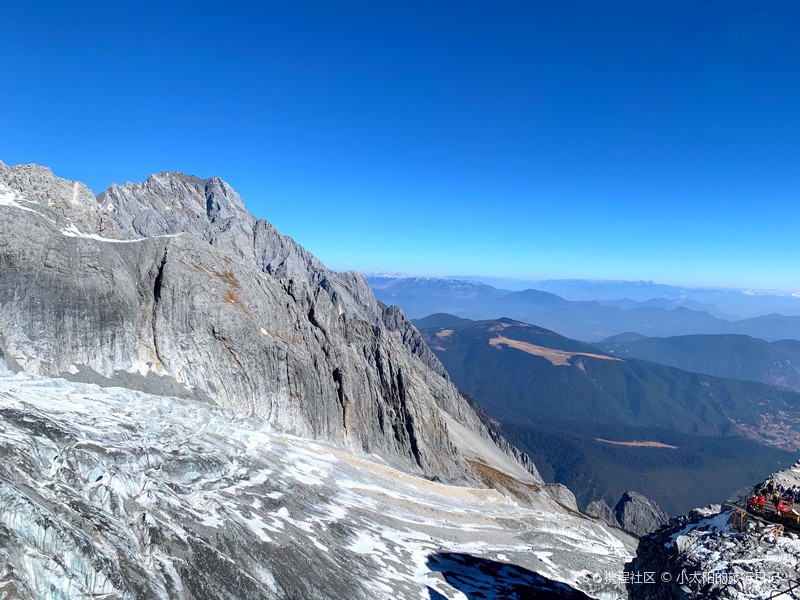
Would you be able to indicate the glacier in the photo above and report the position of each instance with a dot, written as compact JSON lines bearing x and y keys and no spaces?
{"x":114,"y":493}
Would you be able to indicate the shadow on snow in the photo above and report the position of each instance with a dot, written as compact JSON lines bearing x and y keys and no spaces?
{"x":484,"y":579}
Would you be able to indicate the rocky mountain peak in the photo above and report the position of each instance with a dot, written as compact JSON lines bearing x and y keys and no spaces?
{"x":638,"y":514}
{"x":71,"y":200}
{"x":634,"y":512}
{"x":222,"y":202}
{"x":234,"y":312}
{"x":172,"y":202}
{"x":601,"y":510}
{"x":198,"y":491}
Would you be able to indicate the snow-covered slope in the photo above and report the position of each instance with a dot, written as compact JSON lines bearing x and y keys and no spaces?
{"x":111,"y":493}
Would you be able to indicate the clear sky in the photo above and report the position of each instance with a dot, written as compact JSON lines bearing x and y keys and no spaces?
{"x":616,"y":139}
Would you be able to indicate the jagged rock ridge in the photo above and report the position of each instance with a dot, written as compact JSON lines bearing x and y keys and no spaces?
{"x":706,"y":555}
{"x":171,"y":286}
{"x":601,"y":510}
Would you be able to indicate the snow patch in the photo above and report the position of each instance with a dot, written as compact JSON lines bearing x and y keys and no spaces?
{"x":12,"y":198}
{"x":73,"y":231}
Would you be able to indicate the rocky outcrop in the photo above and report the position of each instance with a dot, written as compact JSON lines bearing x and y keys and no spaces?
{"x":563,"y":495}
{"x":395,"y":320}
{"x":170,"y":286}
{"x":634,"y":513}
{"x":722,"y":552}
{"x":638,"y":514}
{"x":705,"y":554}
{"x":72,"y":200}
{"x":600,"y":510}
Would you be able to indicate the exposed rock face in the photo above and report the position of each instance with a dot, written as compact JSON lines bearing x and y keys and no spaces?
{"x":69,"y":199}
{"x":562,"y":494}
{"x":722,"y":553}
{"x":172,"y":287}
{"x":634,"y":512}
{"x":600,"y":510}
{"x":638,"y":514}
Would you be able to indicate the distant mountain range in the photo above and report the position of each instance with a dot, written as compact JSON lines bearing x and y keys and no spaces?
{"x":588,"y":320}
{"x":602,"y":425}
{"x":729,"y":303}
{"x":733,"y":356}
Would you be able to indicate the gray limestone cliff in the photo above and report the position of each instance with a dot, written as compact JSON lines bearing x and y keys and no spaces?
{"x":638,"y":514}
{"x":171,"y":286}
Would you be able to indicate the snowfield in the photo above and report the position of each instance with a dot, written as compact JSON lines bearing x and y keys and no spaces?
{"x":110,"y":493}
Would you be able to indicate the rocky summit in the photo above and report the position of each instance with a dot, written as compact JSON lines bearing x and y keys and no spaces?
{"x":172,"y":287}
{"x":196,"y":407}
{"x":638,"y":514}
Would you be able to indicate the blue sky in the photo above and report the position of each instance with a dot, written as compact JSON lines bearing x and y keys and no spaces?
{"x":624,"y":140}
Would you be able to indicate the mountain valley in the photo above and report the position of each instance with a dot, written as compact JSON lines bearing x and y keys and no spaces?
{"x":577,"y":412}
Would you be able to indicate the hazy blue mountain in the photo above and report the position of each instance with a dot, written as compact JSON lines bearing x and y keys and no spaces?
{"x":733,"y":356}
{"x":669,"y":304}
{"x":744,"y":303}
{"x":602,"y":425}
{"x":584,"y":289}
{"x":772,"y":327}
{"x":589,"y":320}
{"x":441,"y":320}
{"x":417,"y":295}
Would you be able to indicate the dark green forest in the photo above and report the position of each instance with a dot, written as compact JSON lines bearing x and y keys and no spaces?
{"x":554,"y":406}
